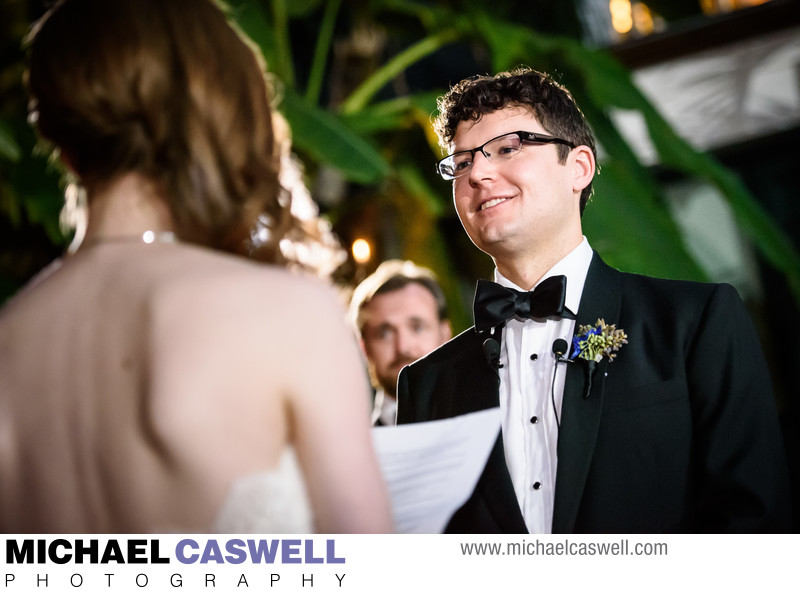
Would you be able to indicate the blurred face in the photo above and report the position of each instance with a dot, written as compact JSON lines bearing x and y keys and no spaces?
{"x":399,"y":327}
{"x":522,"y":206}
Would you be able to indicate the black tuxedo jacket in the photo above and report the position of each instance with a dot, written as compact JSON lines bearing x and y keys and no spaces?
{"x":679,"y":433}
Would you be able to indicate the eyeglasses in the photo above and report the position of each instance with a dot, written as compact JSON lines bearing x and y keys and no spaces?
{"x":501,"y":148}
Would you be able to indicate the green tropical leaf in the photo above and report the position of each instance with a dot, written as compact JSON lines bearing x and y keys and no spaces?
{"x":753,"y":220}
{"x":321,"y":51}
{"x":302,"y":8}
{"x":327,"y":139}
{"x":252,"y":18}
{"x":389,"y":115}
{"x":633,"y":234}
{"x":510,"y":44}
{"x":413,"y":181}
{"x":9,"y":148}
{"x":394,"y":114}
{"x":37,"y":184}
{"x":424,"y":47}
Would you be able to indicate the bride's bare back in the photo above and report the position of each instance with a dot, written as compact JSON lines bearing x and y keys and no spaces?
{"x":139,"y":381}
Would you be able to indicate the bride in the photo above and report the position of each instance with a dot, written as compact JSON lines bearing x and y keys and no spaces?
{"x":158,"y":379}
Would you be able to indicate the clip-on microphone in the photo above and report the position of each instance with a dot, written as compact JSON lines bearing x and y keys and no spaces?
{"x":491,"y":349}
{"x":559,"y":350}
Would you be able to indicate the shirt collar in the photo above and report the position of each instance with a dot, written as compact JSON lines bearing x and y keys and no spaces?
{"x":385,"y":408}
{"x":574,"y":266}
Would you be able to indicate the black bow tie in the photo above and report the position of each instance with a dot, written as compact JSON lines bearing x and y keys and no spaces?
{"x":494,"y":304}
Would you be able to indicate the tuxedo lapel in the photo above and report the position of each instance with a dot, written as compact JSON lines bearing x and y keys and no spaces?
{"x":479,"y":383}
{"x":497,"y":491}
{"x":580,"y":416}
{"x":495,"y":486}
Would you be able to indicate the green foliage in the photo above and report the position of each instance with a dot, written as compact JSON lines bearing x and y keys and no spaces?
{"x":9,"y":148}
{"x":29,"y":182}
{"x":329,"y":140}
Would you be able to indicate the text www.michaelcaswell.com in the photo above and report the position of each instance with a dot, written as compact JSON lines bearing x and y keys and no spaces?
{"x":564,"y":548}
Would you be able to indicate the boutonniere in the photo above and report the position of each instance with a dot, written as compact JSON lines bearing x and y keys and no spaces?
{"x":592,"y":343}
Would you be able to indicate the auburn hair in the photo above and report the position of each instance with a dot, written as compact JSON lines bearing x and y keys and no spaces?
{"x":169,"y":89}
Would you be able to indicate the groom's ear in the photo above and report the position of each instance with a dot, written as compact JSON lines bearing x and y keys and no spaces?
{"x":581,"y":159}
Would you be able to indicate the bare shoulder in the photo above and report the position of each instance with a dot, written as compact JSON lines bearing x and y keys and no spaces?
{"x":235,"y":339}
{"x":245,"y":317}
{"x":210,"y":284}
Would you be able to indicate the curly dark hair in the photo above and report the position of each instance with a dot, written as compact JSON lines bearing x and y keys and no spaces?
{"x":550,"y":102}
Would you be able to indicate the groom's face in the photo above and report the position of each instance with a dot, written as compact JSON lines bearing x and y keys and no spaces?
{"x":512,"y":207}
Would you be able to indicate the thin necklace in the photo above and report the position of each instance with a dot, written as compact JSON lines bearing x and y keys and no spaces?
{"x":147,"y":237}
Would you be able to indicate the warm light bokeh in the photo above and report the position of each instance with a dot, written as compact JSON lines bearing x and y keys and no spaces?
{"x":721,"y":6}
{"x":362,"y":251}
{"x":621,"y":15}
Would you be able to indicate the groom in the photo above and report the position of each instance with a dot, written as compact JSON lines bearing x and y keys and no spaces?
{"x":629,"y":404}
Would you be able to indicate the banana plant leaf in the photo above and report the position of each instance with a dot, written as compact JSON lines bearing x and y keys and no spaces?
{"x":327,"y":139}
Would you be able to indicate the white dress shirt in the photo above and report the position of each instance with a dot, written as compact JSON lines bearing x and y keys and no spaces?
{"x":384,"y":408}
{"x":529,"y":400}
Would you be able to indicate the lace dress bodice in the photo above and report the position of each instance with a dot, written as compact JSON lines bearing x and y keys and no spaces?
{"x":272,"y":502}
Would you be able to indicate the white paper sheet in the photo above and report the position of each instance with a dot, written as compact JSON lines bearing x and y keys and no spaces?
{"x":431,"y":468}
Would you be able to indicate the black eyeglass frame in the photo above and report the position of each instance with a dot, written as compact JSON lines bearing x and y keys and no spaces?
{"x":524,"y":136}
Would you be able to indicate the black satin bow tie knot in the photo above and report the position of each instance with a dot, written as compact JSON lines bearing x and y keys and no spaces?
{"x":494,"y":304}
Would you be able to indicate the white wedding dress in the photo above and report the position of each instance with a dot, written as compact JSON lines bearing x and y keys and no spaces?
{"x":272,"y":502}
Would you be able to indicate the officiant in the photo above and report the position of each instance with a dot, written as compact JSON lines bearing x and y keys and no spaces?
{"x":400,"y":314}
